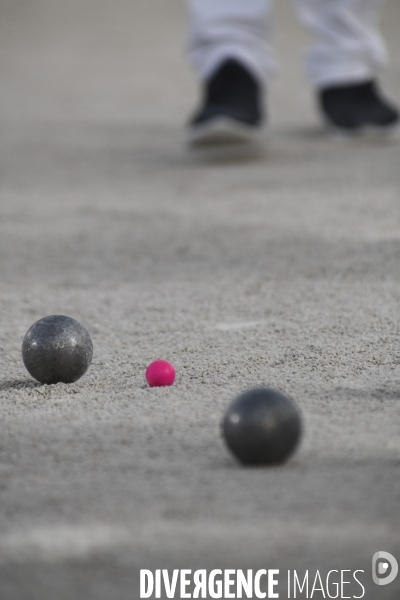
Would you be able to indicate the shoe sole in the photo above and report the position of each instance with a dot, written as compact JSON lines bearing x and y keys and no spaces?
{"x":389,"y":132}
{"x":222,"y":130}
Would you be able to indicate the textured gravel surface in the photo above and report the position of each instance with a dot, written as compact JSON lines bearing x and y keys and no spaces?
{"x":277,"y":265}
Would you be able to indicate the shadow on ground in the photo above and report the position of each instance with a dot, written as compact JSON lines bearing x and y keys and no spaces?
{"x":18,"y":384}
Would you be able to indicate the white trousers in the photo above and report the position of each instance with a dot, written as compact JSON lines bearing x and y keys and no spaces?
{"x":348,"y":46}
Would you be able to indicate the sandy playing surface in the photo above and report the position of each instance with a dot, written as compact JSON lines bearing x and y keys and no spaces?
{"x":276,"y":265}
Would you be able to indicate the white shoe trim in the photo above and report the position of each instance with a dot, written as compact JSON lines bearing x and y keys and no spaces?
{"x":366,"y":131}
{"x":222,"y":130}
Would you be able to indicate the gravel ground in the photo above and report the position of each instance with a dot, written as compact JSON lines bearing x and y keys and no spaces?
{"x":277,"y":265}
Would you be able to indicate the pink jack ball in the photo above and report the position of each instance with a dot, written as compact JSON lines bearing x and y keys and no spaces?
{"x":160,"y":373}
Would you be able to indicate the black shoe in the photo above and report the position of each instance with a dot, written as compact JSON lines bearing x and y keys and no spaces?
{"x":231,"y":110}
{"x":356,"y":108}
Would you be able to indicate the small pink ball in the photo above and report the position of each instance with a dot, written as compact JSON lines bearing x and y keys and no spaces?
{"x":160,"y":373}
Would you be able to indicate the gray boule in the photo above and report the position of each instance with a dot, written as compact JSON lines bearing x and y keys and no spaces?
{"x":57,"y":349}
{"x":262,"y":427}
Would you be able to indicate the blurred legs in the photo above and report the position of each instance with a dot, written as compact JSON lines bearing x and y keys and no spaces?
{"x":349,"y":47}
{"x":342,"y":64}
{"x":223,"y":29}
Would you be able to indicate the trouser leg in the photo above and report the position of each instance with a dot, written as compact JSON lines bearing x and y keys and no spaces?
{"x":349,"y":47}
{"x":221,"y":29}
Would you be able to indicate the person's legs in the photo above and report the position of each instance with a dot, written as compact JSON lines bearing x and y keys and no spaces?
{"x":228,"y":45}
{"x":224,"y":29}
{"x":345,"y":60}
{"x":349,"y":47}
